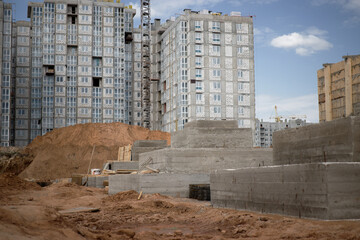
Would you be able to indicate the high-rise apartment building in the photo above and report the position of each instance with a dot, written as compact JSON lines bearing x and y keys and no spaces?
{"x":79,"y":61}
{"x":6,"y":70}
{"x":203,"y":69}
{"x":74,"y":64}
{"x":339,"y":89}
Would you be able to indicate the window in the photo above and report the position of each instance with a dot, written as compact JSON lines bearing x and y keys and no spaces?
{"x":217,"y":85}
{"x":198,"y":36}
{"x":84,"y":90}
{"x":238,"y":27}
{"x":58,"y":89}
{"x":199,"y":97}
{"x":198,"y":61}
{"x":240,"y":74}
{"x":198,"y":25}
{"x":215,"y":61}
{"x":198,"y":49}
{"x":199,"y":85}
{"x":216,"y":25}
{"x":239,"y":38}
{"x":198,"y":72}
{"x":217,"y":109}
{"x":241,"y":111}
{"x":183,"y":26}
{"x":216,"y":49}
{"x":217,"y":98}
{"x":84,"y":100}
{"x":84,"y":79}
{"x":199,"y":109}
{"x":216,"y":73}
{"x":240,"y":86}
{"x":241,"y":98}
{"x":240,"y":62}
{"x":85,"y":8}
{"x":184,"y":63}
{"x":216,"y":37}
{"x":60,"y":6}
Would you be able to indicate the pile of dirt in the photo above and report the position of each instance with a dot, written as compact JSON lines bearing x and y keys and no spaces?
{"x":10,"y":185}
{"x":14,"y":159}
{"x":66,"y":151}
{"x":122,"y":196}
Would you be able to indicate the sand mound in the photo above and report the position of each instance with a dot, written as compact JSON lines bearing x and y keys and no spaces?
{"x":12,"y":182}
{"x":14,"y":159}
{"x":65,"y":151}
{"x":123,"y":196}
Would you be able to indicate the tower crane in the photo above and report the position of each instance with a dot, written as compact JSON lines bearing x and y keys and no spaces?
{"x":293,"y":117}
{"x":145,"y":62}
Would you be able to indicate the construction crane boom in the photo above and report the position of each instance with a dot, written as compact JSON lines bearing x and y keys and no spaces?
{"x":145,"y":62}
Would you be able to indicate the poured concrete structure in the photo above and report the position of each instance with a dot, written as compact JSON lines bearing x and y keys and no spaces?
{"x":335,"y":141}
{"x":202,"y":147}
{"x":142,"y":146}
{"x":174,"y":184}
{"x":313,"y":190}
{"x":317,"y":175}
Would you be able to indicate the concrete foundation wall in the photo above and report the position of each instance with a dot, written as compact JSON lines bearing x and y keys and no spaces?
{"x":142,"y":146}
{"x":94,"y":181}
{"x":176,"y":185}
{"x":123,"y":182}
{"x":334,"y":141}
{"x":212,"y":134}
{"x":315,"y":190}
{"x":124,"y":165}
{"x":205,"y":160}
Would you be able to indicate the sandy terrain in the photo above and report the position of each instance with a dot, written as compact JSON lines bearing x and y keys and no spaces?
{"x":30,"y":212}
{"x":66,"y":151}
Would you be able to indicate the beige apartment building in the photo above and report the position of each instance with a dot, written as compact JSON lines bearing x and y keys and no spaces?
{"x":339,"y":89}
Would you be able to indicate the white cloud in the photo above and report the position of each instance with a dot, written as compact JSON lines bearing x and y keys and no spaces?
{"x":295,"y":106}
{"x":304,"y":43}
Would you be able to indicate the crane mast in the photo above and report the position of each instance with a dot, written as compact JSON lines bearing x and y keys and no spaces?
{"x":145,"y":62}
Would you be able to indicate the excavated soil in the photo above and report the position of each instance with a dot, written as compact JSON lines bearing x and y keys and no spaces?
{"x":28,"y":212}
{"x":66,"y":151}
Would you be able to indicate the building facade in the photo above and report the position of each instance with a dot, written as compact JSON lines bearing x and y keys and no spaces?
{"x":203,"y":69}
{"x":265,"y":130}
{"x":79,"y":61}
{"x":74,"y":64}
{"x":7,"y":70}
{"x":339,"y":89}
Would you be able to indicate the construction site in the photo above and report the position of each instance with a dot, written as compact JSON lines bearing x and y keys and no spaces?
{"x":177,"y":156}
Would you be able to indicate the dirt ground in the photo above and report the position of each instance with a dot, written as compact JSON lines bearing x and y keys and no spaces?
{"x":28,"y":211}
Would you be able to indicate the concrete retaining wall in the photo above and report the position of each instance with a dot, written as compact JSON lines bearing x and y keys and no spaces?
{"x":205,"y":160}
{"x":142,"y":146}
{"x":212,"y":134}
{"x":94,"y":181}
{"x":124,"y":165}
{"x":176,"y":185}
{"x":315,"y":190}
{"x":334,"y":141}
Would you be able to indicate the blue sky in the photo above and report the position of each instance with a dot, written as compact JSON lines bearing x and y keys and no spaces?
{"x":293,"y":38}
